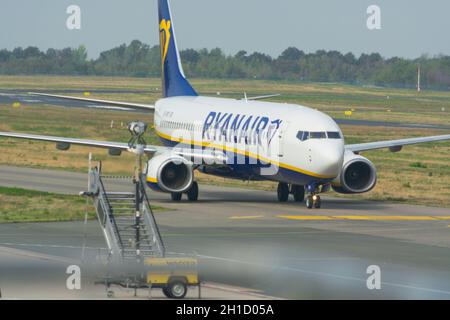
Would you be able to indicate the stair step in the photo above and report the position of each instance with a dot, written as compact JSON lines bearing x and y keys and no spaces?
{"x":133,"y":252}
{"x":130,"y":197}
{"x":132,"y":236}
{"x":131,"y":224}
{"x":121,"y":210}
{"x":123,"y":207}
{"x":119,"y":193}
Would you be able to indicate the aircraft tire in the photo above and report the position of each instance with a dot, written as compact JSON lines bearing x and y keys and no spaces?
{"x":192,"y":193}
{"x":283,"y":192}
{"x":298,"y":192}
{"x":309,"y":202}
{"x":176,"y":196}
{"x":318,"y":203}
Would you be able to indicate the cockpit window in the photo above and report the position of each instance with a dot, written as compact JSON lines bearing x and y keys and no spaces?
{"x":333,"y":135}
{"x":306,"y":135}
{"x":318,"y":135}
{"x":303,"y":135}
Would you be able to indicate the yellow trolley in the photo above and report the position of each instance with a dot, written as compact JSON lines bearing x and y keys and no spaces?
{"x":173,"y":275}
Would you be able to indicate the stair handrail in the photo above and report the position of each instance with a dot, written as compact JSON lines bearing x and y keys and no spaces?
{"x":110,"y":211}
{"x":150,"y":214}
{"x":108,"y":223}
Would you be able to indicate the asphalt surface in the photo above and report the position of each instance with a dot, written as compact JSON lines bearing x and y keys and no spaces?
{"x":245,"y":238}
{"x":9,"y":97}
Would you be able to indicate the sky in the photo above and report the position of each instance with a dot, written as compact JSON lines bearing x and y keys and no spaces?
{"x":409,"y":28}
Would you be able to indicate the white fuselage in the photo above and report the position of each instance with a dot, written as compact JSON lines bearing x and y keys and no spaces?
{"x":303,"y":145}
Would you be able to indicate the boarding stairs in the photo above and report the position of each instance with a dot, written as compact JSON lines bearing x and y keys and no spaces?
{"x":126,"y":219}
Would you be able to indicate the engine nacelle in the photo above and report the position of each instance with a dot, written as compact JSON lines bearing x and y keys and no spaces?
{"x":358,"y":175}
{"x":170,"y":173}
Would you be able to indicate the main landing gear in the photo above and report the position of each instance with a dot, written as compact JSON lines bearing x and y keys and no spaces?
{"x":284,"y":190}
{"x":192,"y":193}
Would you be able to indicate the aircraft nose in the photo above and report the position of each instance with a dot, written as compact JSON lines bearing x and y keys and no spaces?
{"x":331,"y":160}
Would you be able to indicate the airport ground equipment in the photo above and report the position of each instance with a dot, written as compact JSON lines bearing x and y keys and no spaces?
{"x":173,"y":275}
{"x":136,"y":253}
{"x":126,"y":219}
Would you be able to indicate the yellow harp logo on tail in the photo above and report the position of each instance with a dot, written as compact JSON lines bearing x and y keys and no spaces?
{"x":164,"y":31}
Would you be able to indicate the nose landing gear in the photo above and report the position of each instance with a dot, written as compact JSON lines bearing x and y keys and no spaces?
{"x":313,"y":200}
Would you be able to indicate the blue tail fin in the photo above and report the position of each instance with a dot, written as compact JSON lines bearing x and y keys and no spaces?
{"x":174,"y":82}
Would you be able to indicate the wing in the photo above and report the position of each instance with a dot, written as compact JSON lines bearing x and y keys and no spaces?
{"x":394,"y":145}
{"x":115,"y":148}
{"x":129,"y":105}
{"x":262,"y":97}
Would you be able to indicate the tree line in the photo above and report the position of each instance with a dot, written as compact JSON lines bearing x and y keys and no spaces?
{"x":141,"y":60}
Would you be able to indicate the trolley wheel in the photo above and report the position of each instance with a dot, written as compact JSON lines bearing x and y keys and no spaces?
{"x":166,"y":292}
{"x":177,"y":289}
{"x":176,"y":196}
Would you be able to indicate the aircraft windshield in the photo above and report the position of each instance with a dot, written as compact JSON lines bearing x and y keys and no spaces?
{"x":306,"y":135}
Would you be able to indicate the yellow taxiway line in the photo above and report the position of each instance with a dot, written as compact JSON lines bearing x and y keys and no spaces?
{"x":364,"y":218}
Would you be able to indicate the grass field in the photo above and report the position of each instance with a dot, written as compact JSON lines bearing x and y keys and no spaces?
{"x":419,"y":174}
{"x":19,"y":205}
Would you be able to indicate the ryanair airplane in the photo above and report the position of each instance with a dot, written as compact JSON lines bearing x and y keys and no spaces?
{"x":300,"y":148}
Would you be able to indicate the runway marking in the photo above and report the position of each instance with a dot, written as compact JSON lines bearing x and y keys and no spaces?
{"x":389,"y":218}
{"x":324,"y":274}
{"x":245,"y":217}
{"x":364,"y":218}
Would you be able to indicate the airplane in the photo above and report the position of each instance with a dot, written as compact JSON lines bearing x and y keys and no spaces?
{"x":300,"y":148}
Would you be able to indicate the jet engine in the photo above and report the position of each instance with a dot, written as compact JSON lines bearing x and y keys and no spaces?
{"x":170,"y":173}
{"x":358,"y":175}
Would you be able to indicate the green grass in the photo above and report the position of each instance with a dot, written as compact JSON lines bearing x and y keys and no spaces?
{"x":21,"y":205}
{"x":419,"y":165}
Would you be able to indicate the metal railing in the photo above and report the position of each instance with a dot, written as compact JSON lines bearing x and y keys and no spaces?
{"x":149,"y":219}
{"x":110,"y":228}
{"x":105,"y":215}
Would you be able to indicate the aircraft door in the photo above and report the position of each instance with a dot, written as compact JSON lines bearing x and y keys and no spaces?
{"x":281,"y":136}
